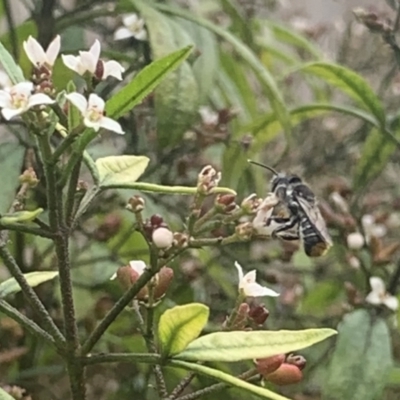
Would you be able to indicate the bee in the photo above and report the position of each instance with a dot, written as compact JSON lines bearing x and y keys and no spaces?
{"x":303,"y":214}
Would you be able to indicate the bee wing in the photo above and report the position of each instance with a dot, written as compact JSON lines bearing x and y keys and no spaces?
{"x":315,"y":218}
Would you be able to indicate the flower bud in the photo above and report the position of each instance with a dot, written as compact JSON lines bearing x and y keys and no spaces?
{"x":355,"y":241}
{"x":207,"y":179}
{"x":82,"y":186}
{"x":156,"y":221}
{"x":181,"y":240}
{"x":372,"y":21}
{"x":225,"y":203}
{"x":251,"y":204}
{"x":244,"y":231}
{"x":266,"y":366}
{"x":127,"y":276}
{"x":109,"y":228}
{"x":297,"y":360}
{"x":29,"y":177}
{"x":165,"y":277}
{"x":258,"y":314}
{"x":240,"y":321}
{"x":286,"y":374}
{"x":162,"y":238}
{"x":135,"y":204}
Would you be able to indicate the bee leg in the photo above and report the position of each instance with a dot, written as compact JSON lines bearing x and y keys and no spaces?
{"x":285,"y":226}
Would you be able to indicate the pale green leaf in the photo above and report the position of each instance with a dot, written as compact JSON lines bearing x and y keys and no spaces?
{"x":229,"y":379}
{"x":20,"y":216}
{"x":351,"y":83}
{"x":180,"y":325}
{"x":5,"y":396}
{"x":362,"y":359}
{"x":10,"y":286}
{"x":11,"y":159}
{"x":236,"y":346}
{"x":145,"y":82}
{"x":11,"y":68}
{"x":119,"y":170}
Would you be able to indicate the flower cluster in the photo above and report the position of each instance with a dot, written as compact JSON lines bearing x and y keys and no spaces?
{"x":16,"y":100}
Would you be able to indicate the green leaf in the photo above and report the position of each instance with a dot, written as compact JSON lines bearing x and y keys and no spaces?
{"x":13,"y":70}
{"x":236,"y":346}
{"x":180,"y":325}
{"x":21,"y":216}
{"x":362,"y":359}
{"x":145,"y":82}
{"x":351,"y":83}
{"x":11,"y":159}
{"x":229,"y":379}
{"x":176,"y":98}
{"x":10,"y":286}
{"x":286,"y":35}
{"x":5,"y":396}
{"x":376,"y":152}
{"x":267,"y":126}
{"x":267,"y":81}
{"x":119,"y":170}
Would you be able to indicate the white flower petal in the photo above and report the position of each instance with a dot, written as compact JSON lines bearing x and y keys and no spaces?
{"x":377,"y":285}
{"x":91,"y":124}
{"x":250,"y":277}
{"x":95,"y":50}
{"x":140,"y":35}
{"x":391,"y":302}
{"x":138,"y":266}
{"x":39,"y":98}
{"x":23,"y":88}
{"x":111,"y":125}
{"x":53,"y":50}
{"x":78,"y":101}
{"x":71,"y":62}
{"x":9,"y":113}
{"x":34,"y":51}
{"x":122,"y":33}
{"x":87,"y":63}
{"x":113,"y":277}
{"x":373,"y":298}
{"x":5,"y":81}
{"x":256,"y":290}
{"x":130,"y":19}
{"x":113,"y":68}
{"x":5,"y":99}
{"x":240,"y":272}
{"x":96,"y":102}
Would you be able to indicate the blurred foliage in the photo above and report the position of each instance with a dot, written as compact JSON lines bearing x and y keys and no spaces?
{"x":317,"y":99}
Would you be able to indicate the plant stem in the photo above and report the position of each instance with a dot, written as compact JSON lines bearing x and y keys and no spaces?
{"x":70,"y":200}
{"x":147,"y":358}
{"x":24,"y":228}
{"x":61,"y":243}
{"x":183,"y":384}
{"x":31,"y":296}
{"x":27,"y":323}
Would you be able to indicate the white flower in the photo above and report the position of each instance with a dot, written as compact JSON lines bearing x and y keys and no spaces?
{"x":379,"y":296}
{"x":371,"y":228}
{"x":19,"y":98}
{"x":208,"y":116}
{"x":162,"y":238}
{"x":93,"y":112}
{"x":137,"y":265}
{"x":355,"y":240}
{"x":261,"y":222}
{"x":249,"y":286}
{"x":38,"y":56}
{"x":88,"y":61}
{"x":133,"y":27}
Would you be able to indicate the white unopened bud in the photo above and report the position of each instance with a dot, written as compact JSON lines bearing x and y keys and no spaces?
{"x":355,"y":241}
{"x":162,"y":238}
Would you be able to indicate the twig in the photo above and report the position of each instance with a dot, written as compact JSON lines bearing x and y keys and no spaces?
{"x":147,"y":358}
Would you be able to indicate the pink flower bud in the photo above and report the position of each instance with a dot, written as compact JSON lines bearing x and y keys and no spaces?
{"x":286,"y":374}
{"x":266,"y":366}
{"x":258,"y":314}
{"x":162,"y":238}
{"x":297,"y":360}
{"x":165,"y":277}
